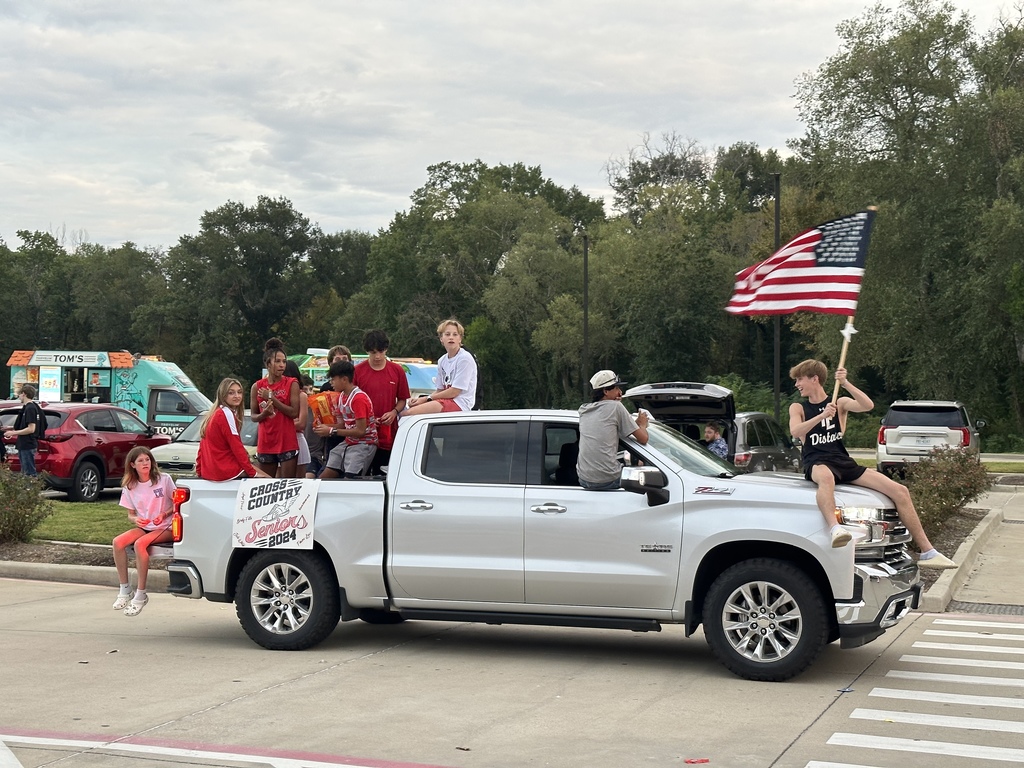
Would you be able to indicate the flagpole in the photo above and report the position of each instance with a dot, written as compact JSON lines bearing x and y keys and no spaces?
{"x":847,"y":332}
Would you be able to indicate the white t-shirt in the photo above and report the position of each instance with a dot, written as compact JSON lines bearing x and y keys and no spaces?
{"x":459,"y":372}
{"x":148,"y":500}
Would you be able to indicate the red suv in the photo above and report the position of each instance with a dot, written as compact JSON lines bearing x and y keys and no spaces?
{"x":85,"y":446}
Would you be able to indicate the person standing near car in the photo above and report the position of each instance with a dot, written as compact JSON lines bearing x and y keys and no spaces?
{"x":819,"y":424}
{"x":25,"y":429}
{"x":603,"y":423}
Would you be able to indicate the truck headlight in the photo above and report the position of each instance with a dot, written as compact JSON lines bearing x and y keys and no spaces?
{"x":868,"y":519}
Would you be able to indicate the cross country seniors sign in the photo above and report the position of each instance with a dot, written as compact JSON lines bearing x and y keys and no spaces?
{"x":275,"y":514}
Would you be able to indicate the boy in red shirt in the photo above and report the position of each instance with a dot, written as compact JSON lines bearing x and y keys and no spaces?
{"x":386,"y":384}
{"x":359,"y":426}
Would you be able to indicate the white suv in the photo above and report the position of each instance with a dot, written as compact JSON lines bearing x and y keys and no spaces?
{"x":912,"y":429}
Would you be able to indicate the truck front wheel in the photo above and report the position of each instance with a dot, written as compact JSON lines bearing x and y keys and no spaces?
{"x":765,"y":620}
{"x":287,"y":600}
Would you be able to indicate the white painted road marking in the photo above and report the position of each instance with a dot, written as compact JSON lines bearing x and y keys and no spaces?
{"x":7,"y":758}
{"x":986,"y":663}
{"x":969,"y":647}
{"x":948,"y":698}
{"x":279,"y":760}
{"x":972,"y":635}
{"x":986,"y":624}
{"x":977,"y":751}
{"x":939,"y":721}
{"x":937,"y":677}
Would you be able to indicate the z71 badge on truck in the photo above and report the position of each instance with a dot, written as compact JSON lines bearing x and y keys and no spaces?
{"x":480,"y":518}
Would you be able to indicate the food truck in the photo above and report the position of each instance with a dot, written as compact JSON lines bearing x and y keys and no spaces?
{"x":156,"y":391}
{"x":419,"y":373}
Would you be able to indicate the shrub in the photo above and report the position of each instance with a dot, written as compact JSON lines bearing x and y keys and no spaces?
{"x":21,"y":506}
{"x":944,"y":483}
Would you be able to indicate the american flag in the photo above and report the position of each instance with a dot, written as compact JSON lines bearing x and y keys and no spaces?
{"x":817,"y":271}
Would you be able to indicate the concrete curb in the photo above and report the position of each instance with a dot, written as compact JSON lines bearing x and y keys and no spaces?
{"x":939,"y":594}
{"x":99,"y":575}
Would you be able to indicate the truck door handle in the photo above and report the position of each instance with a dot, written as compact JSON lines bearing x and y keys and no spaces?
{"x":549,"y":508}
{"x":416,"y":506}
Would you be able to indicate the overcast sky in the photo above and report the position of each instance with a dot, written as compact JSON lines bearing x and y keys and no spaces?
{"x":128,"y":120}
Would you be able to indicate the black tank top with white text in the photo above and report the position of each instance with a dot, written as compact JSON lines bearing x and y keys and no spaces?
{"x":825,"y":440}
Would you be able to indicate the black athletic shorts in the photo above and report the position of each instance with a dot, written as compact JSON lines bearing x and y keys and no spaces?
{"x":844,"y":469}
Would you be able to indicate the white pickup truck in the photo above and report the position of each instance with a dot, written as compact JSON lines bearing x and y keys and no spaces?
{"x":481,"y":518}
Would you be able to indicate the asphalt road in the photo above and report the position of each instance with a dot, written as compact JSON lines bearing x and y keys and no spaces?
{"x":88,"y":686}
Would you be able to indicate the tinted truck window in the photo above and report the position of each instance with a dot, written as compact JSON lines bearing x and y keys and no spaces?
{"x":475,"y":453}
{"x":924,"y":417}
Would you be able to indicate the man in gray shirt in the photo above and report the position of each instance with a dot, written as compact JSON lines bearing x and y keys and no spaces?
{"x":603,"y":422}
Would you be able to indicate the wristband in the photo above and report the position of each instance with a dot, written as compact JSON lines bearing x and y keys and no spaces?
{"x":430,"y":398}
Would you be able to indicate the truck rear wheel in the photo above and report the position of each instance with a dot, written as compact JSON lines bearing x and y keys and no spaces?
{"x":765,"y":620}
{"x":287,"y":600}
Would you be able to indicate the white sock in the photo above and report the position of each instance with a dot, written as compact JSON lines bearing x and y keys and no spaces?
{"x":836,"y":527}
{"x":929,"y":554}
{"x":125,"y":590}
{"x":140,"y":595}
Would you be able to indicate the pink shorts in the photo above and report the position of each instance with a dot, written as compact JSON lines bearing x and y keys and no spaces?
{"x":448,"y":405}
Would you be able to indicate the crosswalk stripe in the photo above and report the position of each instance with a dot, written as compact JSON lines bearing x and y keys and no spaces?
{"x":969,"y":647}
{"x":823,"y":764}
{"x":978,"y":751}
{"x":972,"y":635}
{"x":7,"y":758}
{"x":941,"y":721}
{"x":988,"y":624}
{"x":948,"y":698}
{"x":955,"y":662}
{"x":936,"y":677}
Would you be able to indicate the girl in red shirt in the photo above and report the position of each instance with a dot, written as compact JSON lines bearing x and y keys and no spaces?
{"x":273,"y":405}
{"x":221,"y":453}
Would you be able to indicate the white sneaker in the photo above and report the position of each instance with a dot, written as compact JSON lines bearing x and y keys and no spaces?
{"x":122,"y":601}
{"x":841,"y":537}
{"x":939,"y":563}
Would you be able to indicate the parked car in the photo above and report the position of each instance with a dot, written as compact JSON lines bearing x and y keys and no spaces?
{"x":756,"y":441}
{"x":179,"y":456}
{"x":85,"y":446}
{"x":912,"y":429}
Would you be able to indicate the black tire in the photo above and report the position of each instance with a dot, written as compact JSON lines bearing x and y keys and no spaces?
{"x":377,"y":616}
{"x":765,"y":620}
{"x":287,"y":600}
{"x":86,"y":483}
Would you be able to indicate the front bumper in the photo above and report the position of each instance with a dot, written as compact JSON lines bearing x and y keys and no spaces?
{"x":883,"y":595}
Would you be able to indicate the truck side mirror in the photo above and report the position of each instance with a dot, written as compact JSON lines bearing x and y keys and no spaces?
{"x":981,"y":423}
{"x":647,"y":480}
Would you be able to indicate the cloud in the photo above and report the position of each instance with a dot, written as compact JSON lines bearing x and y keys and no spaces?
{"x":129,"y":120}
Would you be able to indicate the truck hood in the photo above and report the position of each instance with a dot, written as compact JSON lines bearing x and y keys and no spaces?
{"x":794,"y":487}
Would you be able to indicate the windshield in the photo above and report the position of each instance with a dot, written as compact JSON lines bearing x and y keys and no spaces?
{"x":686,"y":453}
{"x":191,"y":433}
{"x":197,"y":400}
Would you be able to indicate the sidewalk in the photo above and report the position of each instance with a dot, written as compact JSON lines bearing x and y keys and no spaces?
{"x":990,"y":578}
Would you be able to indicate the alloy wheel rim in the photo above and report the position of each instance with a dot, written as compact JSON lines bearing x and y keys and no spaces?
{"x":762,"y":622}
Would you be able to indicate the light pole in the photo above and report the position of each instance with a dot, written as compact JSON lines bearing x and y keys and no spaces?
{"x":778,"y":321}
{"x":586,"y":312}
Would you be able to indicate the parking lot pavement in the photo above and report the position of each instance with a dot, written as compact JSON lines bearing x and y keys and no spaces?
{"x":184,"y":673}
